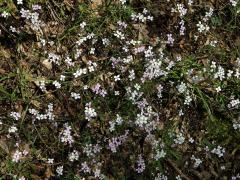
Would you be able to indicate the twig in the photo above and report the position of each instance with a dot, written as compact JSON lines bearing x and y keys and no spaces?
{"x":202,"y":57}
{"x":177,"y":169}
{"x":196,"y":173}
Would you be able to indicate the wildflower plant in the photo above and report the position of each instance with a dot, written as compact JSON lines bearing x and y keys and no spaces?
{"x":119,"y":89}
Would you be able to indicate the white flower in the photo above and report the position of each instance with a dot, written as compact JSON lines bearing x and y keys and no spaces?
{"x":119,"y":35}
{"x":141,"y":120}
{"x":123,"y":1}
{"x":182,"y":27}
{"x":25,"y":152}
{"x":112,"y":126}
{"x":218,"y":89}
{"x":117,"y":78}
{"x":229,"y":74}
{"x":142,"y":17}
{"x":75,"y":95}
{"x":105,"y":41}
{"x":74,"y":156}
{"x":159,"y":89}
{"x":41,"y":85}
{"x":78,"y":53}
{"x":5,"y":14}
{"x":131,"y":75}
{"x":13,"y":29}
{"x":36,"y":7}
{"x":19,"y":1}
{"x":59,"y":170}
{"x":89,"y":112}
{"x":190,"y":2}
{"x":234,"y":2}
{"x":12,"y":129}
{"x":97,"y":173}
{"x":17,"y":156}
{"x":197,"y":161}
{"x":68,"y":61}
{"x":220,"y":73}
{"x":181,"y":9}
{"x":122,"y":24}
{"x":213,"y":66}
{"x":79,"y":72}
{"x":236,"y":125}
{"x":92,"y":51}
{"x":83,"y":24}
{"x":161,"y":176}
{"x":234,"y":103}
{"x":62,"y":78}
{"x":191,"y":140}
{"x":128,"y":59}
{"x":57,"y":84}
{"x":180,"y":113}
{"x":54,"y":58}
{"x":202,"y":27}
{"x":85,"y":168}
{"x":208,"y":15}
{"x":119,"y":120}
{"x":66,"y":136}
{"x":50,"y":160}
{"x":160,"y":154}
{"x":170,"y":39}
{"x":213,"y":43}
{"x":85,"y":87}
{"x":188,"y":99}
{"x":218,"y":151}
{"x":237,"y":74}
{"x":22,"y":178}
{"x":179,"y":139}
{"x":182,"y":88}
{"x":178,"y":177}
{"x":15,"y":115}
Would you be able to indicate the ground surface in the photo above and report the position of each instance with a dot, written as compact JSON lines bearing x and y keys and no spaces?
{"x":131,"y":89}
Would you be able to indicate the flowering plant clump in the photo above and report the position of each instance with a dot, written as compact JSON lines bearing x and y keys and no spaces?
{"x":123,"y":89}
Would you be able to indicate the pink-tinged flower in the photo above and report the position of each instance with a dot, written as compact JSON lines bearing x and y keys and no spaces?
{"x":117,"y":141}
{"x":96,"y":88}
{"x":140,"y":164}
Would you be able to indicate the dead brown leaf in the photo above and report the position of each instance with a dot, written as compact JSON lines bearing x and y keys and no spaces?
{"x":3,"y":144}
{"x":84,"y":59}
{"x":2,"y":71}
{"x":36,"y":103}
{"x":48,"y":173}
{"x":5,"y":53}
{"x":95,"y":4}
{"x":142,"y":31}
{"x":46,"y":63}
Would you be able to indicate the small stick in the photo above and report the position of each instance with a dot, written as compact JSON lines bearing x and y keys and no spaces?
{"x":177,"y":169}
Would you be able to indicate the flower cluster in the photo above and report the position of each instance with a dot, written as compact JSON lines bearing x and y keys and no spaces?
{"x":74,"y":156}
{"x":89,"y":112}
{"x":65,"y":135}
{"x":218,"y":151}
{"x":114,"y":142}
{"x":140,"y":164}
{"x":142,"y":17}
{"x":197,"y":161}
{"x":108,"y":80}
{"x":41,"y":116}
{"x":15,"y":115}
